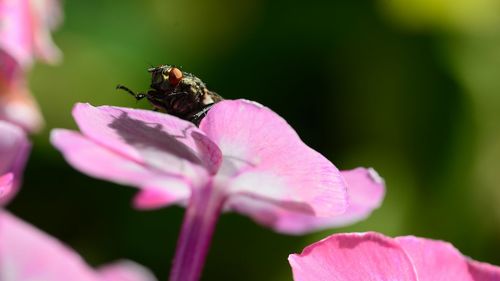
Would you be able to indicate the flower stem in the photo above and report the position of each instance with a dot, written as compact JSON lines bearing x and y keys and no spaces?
{"x":201,"y":216}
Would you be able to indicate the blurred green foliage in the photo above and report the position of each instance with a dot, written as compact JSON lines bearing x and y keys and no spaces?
{"x":411,"y":92}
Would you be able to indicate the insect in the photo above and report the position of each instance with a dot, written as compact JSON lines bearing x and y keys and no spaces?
{"x":178,"y":93}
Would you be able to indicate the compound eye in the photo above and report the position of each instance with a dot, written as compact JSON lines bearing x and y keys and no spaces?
{"x":174,"y":76}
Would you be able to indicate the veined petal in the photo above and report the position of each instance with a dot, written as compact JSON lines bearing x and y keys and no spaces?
{"x":440,"y":261}
{"x":265,"y":160}
{"x":161,"y":141}
{"x":14,"y":151}
{"x":366,"y":192}
{"x":26,"y":253}
{"x":101,"y":162}
{"x":356,"y":256}
{"x":372,"y":256}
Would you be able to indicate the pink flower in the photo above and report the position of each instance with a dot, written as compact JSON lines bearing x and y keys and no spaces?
{"x":14,"y":150}
{"x":27,"y":254}
{"x":17,"y":104}
{"x":372,"y":256}
{"x":25,"y":27}
{"x":243,"y":157}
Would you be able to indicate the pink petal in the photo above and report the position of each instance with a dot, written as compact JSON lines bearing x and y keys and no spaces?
{"x":17,"y":104}
{"x":9,"y":69}
{"x":6,"y":182}
{"x":100,"y":162}
{"x":481,"y":271}
{"x":437,"y":260}
{"x":153,"y":198}
{"x":358,"y":256}
{"x":51,"y":13}
{"x":48,"y":15}
{"x":267,"y":168}
{"x":26,"y":253}
{"x":125,"y":271}
{"x":16,"y":34}
{"x":14,"y":151}
{"x":161,"y":141}
{"x":25,"y":30}
{"x":12,"y":139}
{"x":366,"y":192}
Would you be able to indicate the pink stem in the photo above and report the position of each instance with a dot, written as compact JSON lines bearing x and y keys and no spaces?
{"x":201,"y":216}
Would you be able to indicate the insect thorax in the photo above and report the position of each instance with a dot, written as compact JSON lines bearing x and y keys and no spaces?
{"x":182,"y":100}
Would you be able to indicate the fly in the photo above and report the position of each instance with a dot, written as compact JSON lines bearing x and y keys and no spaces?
{"x":177,"y":93}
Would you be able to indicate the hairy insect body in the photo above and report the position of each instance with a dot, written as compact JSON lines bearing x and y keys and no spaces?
{"x":178,"y":93}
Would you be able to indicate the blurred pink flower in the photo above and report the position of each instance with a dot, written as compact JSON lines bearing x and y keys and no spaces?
{"x":372,"y":256}
{"x":17,"y":105}
{"x":25,"y":27}
{"x":14,"y":151}
{"x":27,"y":253}
{"x":243,"y":157}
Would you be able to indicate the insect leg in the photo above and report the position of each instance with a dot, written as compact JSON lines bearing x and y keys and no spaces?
{"x":196,"y":118}
{"x":138,"y":96}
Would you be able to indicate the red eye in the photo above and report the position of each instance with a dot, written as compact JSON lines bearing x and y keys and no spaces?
{"x":174,"y":76}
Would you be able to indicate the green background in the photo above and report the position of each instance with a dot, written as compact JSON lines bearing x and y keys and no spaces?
{"x":411,"y":88}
